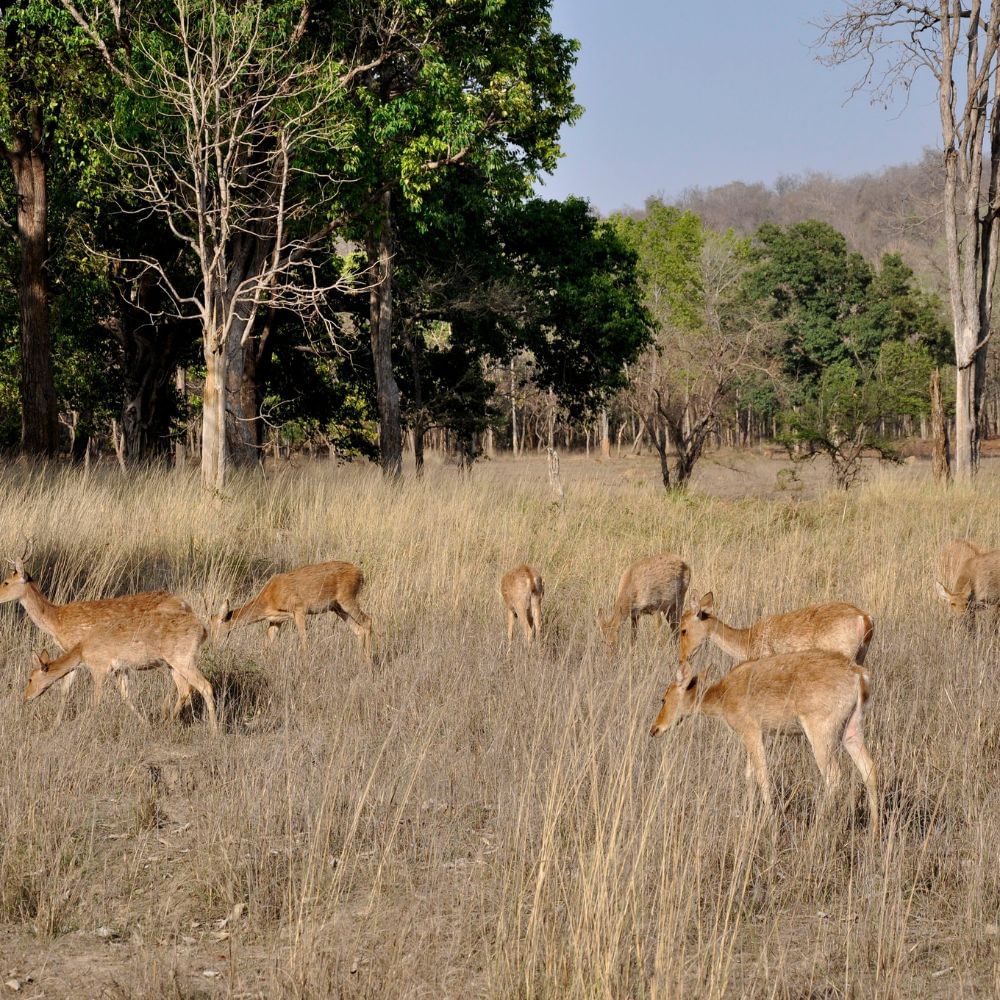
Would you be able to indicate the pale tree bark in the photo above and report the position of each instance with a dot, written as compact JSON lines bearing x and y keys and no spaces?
{"x":895,"y":40}
{"x":39,"y":413}
{"x":227,"y":181}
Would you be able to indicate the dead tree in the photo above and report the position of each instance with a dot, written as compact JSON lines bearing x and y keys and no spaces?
{"x":894,"y":40}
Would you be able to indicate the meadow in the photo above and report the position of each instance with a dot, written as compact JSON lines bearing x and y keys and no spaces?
{"x":448,"y":822}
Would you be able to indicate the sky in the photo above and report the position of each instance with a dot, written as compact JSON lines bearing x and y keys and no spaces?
{"x":683,"y":94}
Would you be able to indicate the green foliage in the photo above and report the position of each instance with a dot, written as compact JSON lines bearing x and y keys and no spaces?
{"x":834,"y":306}
{"x":668,"y":243}
{"x":585,"y":318}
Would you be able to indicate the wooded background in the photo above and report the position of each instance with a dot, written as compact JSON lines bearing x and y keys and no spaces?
{"x":238,"y":230}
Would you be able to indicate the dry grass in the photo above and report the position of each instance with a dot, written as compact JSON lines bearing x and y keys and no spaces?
{"x":449,"y":823}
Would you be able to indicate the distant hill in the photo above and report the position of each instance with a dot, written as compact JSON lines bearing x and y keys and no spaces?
{"x":895,"y":210}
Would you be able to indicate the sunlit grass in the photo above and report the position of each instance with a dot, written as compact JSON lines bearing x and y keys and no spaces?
{"x":453,"y":823}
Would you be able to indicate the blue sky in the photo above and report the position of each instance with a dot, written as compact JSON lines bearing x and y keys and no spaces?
{"x":683,"y":94}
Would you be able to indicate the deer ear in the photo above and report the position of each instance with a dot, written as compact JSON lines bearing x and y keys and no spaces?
{"x":940,"y":591}
{"x":37,"y":657}
{"x":707,"y":602}
{"x":19,"y":567}
{"x":224,"y":610}
{"x":685,"y":672}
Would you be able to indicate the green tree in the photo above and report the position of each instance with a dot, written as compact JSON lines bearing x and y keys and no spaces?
{"x":50,"y":99}
{"x":439,"y":86}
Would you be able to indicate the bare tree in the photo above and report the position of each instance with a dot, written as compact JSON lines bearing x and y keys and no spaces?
{"x":690,"y":375}
{"x":241,"y":113}
{"x":895,"y":40}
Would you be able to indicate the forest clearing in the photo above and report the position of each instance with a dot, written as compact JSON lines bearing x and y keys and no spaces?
{"x":450,"y":822}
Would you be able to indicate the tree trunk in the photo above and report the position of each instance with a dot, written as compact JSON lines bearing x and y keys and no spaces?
{"x":214,"y":451}
{"x":942,"y":463}
{"x":180,"y":383}
{"x":39,"y":416}
{"x":513,"y":411}
{"x":390,"y":439}
{"x":605,"y":436}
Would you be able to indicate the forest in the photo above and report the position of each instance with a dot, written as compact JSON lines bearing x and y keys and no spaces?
{"x":243,"y":231}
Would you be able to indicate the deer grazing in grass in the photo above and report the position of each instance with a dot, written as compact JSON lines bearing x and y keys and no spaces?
{"x":308,"y":590}
{"x":968,"y":578}
{"x":654,"y":585}
{"x":834,"y":628}
{"x":69,"y":624}
{"x":522,"y":591}
{"x":165,"y":635}
{"x":824,"y":693}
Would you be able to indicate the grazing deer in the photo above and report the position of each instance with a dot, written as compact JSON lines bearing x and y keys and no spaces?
{"x":654,"y":585}
{"x":834,"y":628}
{"x":968,"y":577}
{"x":522,"y":591}
{"x":308,"y":590}
{"x":68,"y":624}
{"x":162,"y":635}
{"x":823,"y":692}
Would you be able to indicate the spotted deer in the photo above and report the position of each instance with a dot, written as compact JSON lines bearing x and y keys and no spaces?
{"x":165,"y":635}
{"x":834,"y":627}
{"x":654,"y":585}
{"x":522,"y":591}
{"x":968,"y":578}
{"x":821,"y":692}
{"x":69,"y":624}
{"x":308,"y":590}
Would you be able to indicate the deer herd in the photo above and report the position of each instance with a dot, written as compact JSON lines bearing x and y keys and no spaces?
{"x":803,"y":669}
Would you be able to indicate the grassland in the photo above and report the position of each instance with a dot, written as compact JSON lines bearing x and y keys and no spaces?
{"x":449,"y":823}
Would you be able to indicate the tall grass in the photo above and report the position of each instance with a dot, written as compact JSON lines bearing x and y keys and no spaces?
{"x":453,"y":823}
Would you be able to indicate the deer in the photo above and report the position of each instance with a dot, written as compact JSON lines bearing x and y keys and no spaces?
{"x":521,"y":590}
{"x":69,"y":623}
{"x":654,"y":585}
{"x":822,"y":692}
{"x":968,"y":577}
{"x":308,"y":590}
{"x":163,"y":635}
{"x":835,"y":627}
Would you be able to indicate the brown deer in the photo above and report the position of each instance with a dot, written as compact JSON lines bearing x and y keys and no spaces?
{"x":654,"y":585}
{"x":968,"y":577}
{"x":68,"y":624}
{"x":161,"y":635}
{"x":522,"y":591}
{"x":834,"y":627}
{"x":308,"y":590}
{"x":822,"y":692}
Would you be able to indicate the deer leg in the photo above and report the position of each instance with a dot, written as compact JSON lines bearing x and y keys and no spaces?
{"x":123,"y":690}
{"x":753,"y":740}
{"x":196,"y":679}
{"x":822,"y":743}
{"x":854,"y":743}
{"x":273,"y":628}
{"x":300,"y":623}
{"x":634,"y":619}
{"x":536,"y":615}
{"x":527,"y":624}
{"x":358,"y":622}
{"x":510,"y":630}
{"x":659,"y":628}
{"x":64,"y":688}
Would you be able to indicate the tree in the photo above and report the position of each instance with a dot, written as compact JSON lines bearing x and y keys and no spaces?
{"x":229,"y":119}
{"x":546,"y":279}
{"x":45,"y":86}
{"x":440,"y":86}
{"x":895,"y":40}
{"x":712,"y":334}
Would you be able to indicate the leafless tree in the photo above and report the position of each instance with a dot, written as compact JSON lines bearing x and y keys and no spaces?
{"x":689,"y":376}
{"x":240,"y":113}
{"x":894,"y":40}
